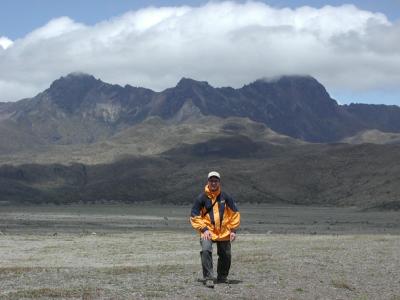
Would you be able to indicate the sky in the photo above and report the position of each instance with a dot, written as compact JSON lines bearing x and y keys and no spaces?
{"x":351,"y":47}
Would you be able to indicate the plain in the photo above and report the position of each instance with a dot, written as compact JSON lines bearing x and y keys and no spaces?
{"x":150,"y":251}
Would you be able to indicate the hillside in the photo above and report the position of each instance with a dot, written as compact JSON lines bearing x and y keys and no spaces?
{"x":150,"y":137}
{"x":338,"y":174}
{"x":86,"y":140}
{"x":373,"y":136}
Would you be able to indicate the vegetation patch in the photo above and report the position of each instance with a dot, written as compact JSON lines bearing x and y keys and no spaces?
{"x":21,"y":270}
{"x":121,"y":270}
{"x":83,"y":293}
{"x":342,"y":284}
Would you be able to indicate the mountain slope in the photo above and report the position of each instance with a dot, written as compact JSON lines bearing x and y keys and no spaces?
{"x":78,"y":110}
{"x":133,"y":144}
{"x":335,"y":174}
{"x":373,"y":136}
{"x":150,"y":137}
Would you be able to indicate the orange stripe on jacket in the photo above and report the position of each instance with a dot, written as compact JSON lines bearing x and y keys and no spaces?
{"x":220,"y":231}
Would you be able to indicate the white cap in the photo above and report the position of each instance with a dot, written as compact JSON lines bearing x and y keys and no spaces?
{"x":213,"y":174}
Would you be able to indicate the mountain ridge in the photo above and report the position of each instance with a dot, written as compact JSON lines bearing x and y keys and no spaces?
{"x":79,"y":108}
{"x":86,"y":140}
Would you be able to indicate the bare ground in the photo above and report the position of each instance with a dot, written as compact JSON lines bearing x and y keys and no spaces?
{"x":135,"y":252}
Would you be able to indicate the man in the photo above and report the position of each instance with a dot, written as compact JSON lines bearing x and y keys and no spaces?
{"x":215,"y":216}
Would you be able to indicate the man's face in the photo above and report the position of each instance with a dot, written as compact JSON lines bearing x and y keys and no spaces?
{"x":213,"y":184}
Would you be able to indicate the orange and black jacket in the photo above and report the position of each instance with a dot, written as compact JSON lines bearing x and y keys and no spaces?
{"x":220,"y":219}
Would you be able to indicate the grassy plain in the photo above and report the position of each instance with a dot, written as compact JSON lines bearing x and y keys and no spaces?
{"x":141,"y":251}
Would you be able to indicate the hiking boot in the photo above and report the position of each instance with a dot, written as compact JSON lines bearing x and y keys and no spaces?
{"x":209,"y":283}
{"x":222,"y":280}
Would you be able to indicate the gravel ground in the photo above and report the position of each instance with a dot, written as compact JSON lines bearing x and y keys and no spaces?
{"x":69,"y":253}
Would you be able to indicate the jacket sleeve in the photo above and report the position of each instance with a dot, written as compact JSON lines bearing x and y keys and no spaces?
{"x":233,"y":215}
{"x":196,"y":219}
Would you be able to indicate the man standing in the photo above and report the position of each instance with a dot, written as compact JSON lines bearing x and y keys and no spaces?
{"x":215,"y":216}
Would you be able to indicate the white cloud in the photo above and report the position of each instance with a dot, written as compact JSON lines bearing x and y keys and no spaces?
{"x":5,"y":42}
{"x":53,"y":29}
{"x":225,"y":43}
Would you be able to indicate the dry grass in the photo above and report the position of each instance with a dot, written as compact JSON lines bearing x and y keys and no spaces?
{"x":41,"y":293}
{"x":165,"y":264}
{"x":20,"y":270}
{"x":342,"y":284}
{"x":121,"y":270}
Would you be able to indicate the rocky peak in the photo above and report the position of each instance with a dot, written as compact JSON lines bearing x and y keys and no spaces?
{"x":303,"y":84}
{"x":297,"y":93}
{"x":70,"y":91}
{"x":187,"y":83}
{"x":75,"y":79}
{"x":289,"y":84}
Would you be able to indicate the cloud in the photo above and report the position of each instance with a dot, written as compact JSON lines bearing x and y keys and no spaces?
{"x":225,"y":43}
{"x":5,"y":42}
{"x":54,"y":29}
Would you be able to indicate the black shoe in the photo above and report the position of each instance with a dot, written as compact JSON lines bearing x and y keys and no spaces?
{"x":222,"y":280}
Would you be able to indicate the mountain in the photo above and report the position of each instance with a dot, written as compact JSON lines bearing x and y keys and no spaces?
{"x":86,"y":140}
{"x":77,"y":109}
{"x":381,"y":117}
{"x":80,"y":109}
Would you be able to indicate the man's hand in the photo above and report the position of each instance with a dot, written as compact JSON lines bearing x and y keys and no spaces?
{"x":232,"y":236}
{"x":207,"y":235}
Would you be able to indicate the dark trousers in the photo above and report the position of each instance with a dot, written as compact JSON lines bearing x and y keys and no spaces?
{"x":224,"y":258}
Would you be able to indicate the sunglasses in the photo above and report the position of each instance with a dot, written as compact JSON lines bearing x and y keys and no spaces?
{"x":213,"y":181}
